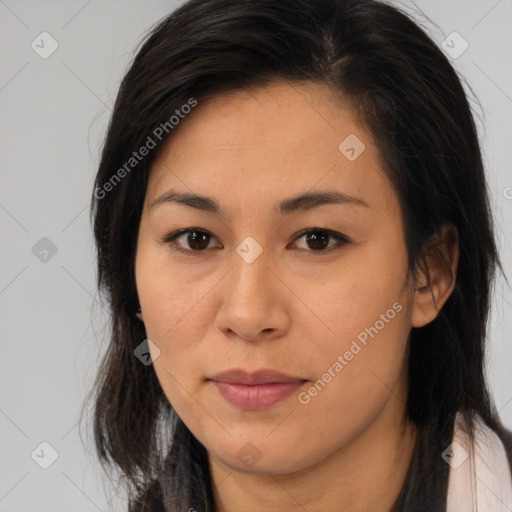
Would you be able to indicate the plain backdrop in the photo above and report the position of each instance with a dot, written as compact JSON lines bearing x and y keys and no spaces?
{"x":54,"y":113}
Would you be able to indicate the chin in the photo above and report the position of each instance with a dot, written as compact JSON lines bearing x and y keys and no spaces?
{"x":266,"y":460}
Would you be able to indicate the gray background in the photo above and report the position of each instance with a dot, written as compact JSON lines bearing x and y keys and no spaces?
{"x":54,"y":113}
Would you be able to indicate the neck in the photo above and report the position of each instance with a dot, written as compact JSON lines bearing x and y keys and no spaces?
{"x":368,"y":473}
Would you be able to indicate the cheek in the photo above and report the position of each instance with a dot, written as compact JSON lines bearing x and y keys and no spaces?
{"x":166,"y":295}
{"x":365,"y":299}
{"x":364,"y":359}
{"x":358,"y":367}
{"x":176,"y":321}
{"x":360,"y":357}
{"x":174,"y":317}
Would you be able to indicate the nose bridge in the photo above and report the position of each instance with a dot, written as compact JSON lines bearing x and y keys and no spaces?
{"x":251,"y":300}
{"x":250,"y":274}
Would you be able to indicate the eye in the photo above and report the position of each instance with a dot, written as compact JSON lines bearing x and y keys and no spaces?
{"x":198,"y":240}
{"x":318,"y":239}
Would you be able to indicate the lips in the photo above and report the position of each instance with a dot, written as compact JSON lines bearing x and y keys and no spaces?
{"x":257,"y":377}
{"x":255,"y":391}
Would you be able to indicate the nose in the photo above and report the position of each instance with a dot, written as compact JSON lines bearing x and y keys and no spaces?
{"x":254,"y":304}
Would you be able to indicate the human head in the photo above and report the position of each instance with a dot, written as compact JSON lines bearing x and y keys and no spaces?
{"x":400,"y":88}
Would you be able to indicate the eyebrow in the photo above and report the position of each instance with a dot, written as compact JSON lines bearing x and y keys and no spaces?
{"x":302,"y":202}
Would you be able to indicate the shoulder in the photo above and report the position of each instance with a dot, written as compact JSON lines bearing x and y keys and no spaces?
{"x":151,"y":500}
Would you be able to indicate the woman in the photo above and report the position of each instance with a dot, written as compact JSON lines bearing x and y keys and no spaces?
{"x":295,"y":240}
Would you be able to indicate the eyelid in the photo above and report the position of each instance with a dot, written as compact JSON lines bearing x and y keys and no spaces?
{"x":339,"y":237}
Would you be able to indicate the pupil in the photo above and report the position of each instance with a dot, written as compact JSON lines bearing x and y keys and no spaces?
{"x":195,"y":238}
{"x":319,"y":242}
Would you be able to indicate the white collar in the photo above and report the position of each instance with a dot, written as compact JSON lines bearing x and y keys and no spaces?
{"x":479,"y":479}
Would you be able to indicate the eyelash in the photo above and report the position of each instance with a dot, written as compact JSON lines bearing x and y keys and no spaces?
{"x":340,"y":238}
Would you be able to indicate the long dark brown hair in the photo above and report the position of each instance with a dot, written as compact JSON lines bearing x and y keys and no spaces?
{"x":409,"y":96}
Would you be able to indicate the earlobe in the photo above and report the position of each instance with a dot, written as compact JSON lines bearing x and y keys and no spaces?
{"x":442,"y":260}
{"x":138,"y":314}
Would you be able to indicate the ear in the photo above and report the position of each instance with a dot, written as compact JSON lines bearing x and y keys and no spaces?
{"x":138,"y":314}
{"x":436,"y":282}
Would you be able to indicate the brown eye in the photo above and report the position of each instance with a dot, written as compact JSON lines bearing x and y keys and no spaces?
{"x":198,"y":240}
{"x":317,"y":240}
{"x":195,"y":240}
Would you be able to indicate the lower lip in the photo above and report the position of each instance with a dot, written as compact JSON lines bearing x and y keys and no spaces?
{"x":256,"y":397}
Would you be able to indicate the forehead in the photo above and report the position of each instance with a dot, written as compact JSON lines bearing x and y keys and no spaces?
{"x":279,"y":116}
{"x":269,"y":142}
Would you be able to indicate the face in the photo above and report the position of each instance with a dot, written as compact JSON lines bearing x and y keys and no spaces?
{"x":315,"y":289}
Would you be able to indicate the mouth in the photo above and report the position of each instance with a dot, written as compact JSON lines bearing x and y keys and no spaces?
{"x":255,"y":391}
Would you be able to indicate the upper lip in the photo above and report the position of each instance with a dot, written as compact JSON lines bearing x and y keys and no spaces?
{"x":264,"y":376}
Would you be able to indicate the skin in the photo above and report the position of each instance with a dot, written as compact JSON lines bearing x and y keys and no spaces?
{"x":293,"y":309}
